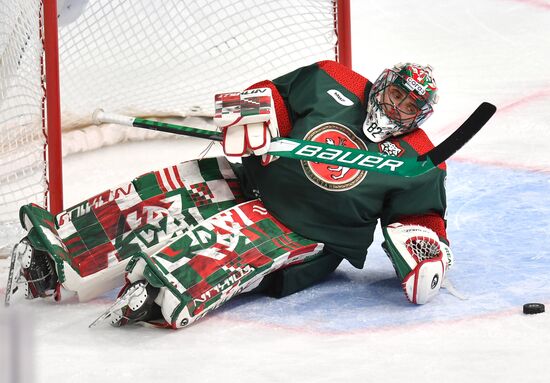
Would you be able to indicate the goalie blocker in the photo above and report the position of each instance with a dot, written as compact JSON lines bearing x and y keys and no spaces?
{"x":248,"y":121}
{"x":420,"y":260}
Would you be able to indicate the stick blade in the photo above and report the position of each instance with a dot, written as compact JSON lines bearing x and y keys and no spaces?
{"x":462,"y":135}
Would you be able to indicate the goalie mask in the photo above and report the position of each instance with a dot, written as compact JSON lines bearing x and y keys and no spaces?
{"x":401,"y":99}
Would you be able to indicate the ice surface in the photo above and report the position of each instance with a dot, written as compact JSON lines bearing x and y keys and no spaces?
{"x":357,"y":326}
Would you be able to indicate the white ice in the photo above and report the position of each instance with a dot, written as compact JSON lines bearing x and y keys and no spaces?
{"x":357,"y":326}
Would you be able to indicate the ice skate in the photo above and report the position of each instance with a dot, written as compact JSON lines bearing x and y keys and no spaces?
{"x":134,"y":304}
{"x":31,"y":275}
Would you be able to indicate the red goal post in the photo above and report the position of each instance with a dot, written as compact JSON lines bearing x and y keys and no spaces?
{"x":61,"y":59}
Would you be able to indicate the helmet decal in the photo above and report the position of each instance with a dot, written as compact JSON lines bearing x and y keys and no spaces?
{"x":420,"y":80}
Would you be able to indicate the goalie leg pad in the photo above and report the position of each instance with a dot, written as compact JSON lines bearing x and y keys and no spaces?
{"x":225,"y":255}
{"x":92,"y":242}
{"x":419,"y":258}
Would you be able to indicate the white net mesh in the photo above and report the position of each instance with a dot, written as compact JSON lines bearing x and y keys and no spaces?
{"x":142,"y":58}
{"x":171,"y":57}
{"x":21,"y":138}
{"x":423,"y":248}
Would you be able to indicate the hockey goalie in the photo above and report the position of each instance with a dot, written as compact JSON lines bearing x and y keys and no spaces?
{"x":185,"y":239}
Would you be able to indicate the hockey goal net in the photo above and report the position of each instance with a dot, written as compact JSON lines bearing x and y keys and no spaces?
{"x":136,"y":57}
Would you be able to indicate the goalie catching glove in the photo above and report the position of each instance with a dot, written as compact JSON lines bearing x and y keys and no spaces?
{"x":248,"y":122}
{"x":420,"y":259}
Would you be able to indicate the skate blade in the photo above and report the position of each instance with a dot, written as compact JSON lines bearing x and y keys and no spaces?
{"x":15,"y":290}
{"x":119,"y":304}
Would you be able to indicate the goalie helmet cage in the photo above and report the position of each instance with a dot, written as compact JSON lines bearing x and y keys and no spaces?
{"x":62,"y":59}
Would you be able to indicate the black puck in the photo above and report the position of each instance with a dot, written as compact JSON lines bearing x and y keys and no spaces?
{"x":533,"y":308}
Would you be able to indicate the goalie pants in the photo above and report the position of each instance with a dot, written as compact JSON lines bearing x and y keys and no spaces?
{"x":294,"y":278}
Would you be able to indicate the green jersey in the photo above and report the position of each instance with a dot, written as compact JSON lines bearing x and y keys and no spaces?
{"x":325,"y":102}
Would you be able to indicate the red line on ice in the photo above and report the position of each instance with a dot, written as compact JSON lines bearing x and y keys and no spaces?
{"x":535,"y":3}
{"x":501,"y":164}
{"x":502,"y":109}
{"x":535,"y":96}
{"x":398,"y":327}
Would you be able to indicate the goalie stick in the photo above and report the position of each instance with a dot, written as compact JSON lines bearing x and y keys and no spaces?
{"x":331,"y":154}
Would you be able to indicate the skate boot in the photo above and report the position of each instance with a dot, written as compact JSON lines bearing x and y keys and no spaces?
{"x":32,"y":274}
{"x":135,"y":303}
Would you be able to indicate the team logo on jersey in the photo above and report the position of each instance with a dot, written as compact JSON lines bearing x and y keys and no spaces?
{"x":334,"y":177}
{"x":391,"y":148}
